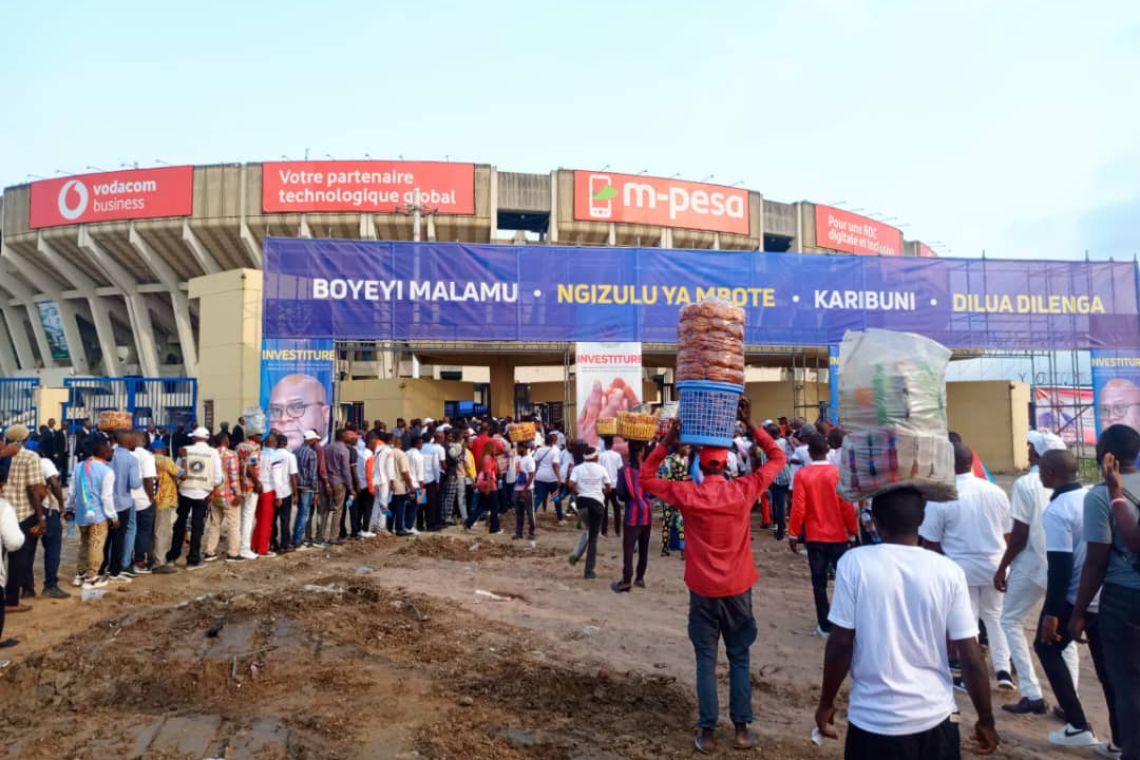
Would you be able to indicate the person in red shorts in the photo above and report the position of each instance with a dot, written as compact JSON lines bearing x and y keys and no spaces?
{"x":719,"y":570}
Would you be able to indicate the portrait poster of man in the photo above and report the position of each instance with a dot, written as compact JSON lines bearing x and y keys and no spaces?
{"x":297,"y":386}
{"x":1116,"y":388}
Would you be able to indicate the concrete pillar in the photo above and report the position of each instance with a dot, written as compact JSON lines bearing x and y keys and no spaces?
{"x":49,"y":288}
{"x":8,"y":363}
{"x":252,"y":247}
{"x":24,"y":296}
{"x":229,"y":340}
{"x":611,"y":235}
{"x":204,"y":258}
{"x":494,"y":203}
{"x":20,"y":339}
{"x":41,"y":334}
{"x":502,"y":388}
{"x":552,"y":228}
{"x":367,"y":227}
{"x":179,"y":303}
{"x":137,"y":310}
{"x":100,"y":307}
{"x":304,"y":230}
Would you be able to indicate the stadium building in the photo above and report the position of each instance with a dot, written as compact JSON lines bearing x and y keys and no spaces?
{"x":157,"y":272}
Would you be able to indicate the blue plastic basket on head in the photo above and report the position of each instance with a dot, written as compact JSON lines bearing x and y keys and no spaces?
{"x":708,"y":411}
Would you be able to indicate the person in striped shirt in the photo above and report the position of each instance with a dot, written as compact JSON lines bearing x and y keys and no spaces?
{"x":638,"y":520}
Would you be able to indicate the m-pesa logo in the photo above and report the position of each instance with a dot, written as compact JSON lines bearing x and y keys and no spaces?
{"x":132,"y":194}
{"x":634,"y":199}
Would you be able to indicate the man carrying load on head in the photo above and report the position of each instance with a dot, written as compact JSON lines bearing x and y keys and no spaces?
{"x":719,"y":570}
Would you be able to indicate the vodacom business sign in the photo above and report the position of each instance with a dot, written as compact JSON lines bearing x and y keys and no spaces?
{"x":132,"y":194}
{"x":634,"y":199}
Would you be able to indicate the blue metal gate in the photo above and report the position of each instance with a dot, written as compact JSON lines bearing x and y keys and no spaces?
{"x":18,"y":401}
{"x":165,"y":401}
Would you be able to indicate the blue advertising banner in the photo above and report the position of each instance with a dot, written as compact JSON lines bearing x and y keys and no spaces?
{"x":297,"y":386}
{"x":367,"y":290}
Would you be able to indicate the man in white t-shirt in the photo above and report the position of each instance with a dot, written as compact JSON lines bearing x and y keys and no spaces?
{"x":971,"y":530}
{"x":287,"y":488}
{"x":590,"y":483}
{"x":895,"y":606}
{"x":144,"y":504}
{"x":1025,"y":562}
{"x":522,"y":493}
{"x":611,"y":462}
{"x":1067,"y":550}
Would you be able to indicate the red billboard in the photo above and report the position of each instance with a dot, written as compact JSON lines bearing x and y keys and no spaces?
{"x":634,"y":199}
{"x":369,"y":186}
{"x":843,"y":231}
{"x":926,"y":252}
{"x":130,"y":194}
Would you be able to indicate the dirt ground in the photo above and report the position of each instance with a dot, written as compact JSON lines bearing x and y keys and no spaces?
{"x":445,"y":647}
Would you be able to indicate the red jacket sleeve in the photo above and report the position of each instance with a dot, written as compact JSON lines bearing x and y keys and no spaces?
{"x":647,"y":477}
{"x":799,"y":506}
{"x":758,"y":482}
{"x":850,"y":519}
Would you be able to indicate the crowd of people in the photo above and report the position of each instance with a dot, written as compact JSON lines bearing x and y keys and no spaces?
{"x":942,"y":582}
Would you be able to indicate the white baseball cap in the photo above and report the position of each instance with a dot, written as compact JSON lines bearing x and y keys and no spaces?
{"x":1043,"y":440}
{"x":428,"y":420}
{"x":200,"y":432}
{"x":312,"y":435}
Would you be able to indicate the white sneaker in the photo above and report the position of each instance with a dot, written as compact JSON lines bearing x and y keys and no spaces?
{"x":100,"y":582}
{"x":415,"y":532}
{"x":367,"y":534}
{"x":1109,"y":750}
{"x":822,"y":633}
{"x":78,"y":580}
{"x":1072,"y":737}
{"x":119,"y":579}
{"x":249,"y":554}
{"x":269,"y":554}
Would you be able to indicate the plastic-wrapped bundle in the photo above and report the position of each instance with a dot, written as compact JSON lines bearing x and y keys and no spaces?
{"x":710,"y":342}
{"x":254,"y":421}
{"x":892,"y":403}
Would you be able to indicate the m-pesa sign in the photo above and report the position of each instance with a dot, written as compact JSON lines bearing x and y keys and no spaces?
{"x":634,"y":199}
{"x":132,"y":194}
{"x":844,"y":231}
{"x":369,"y":186}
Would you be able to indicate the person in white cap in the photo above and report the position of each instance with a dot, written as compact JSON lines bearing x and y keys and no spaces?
{"x":1024,"y":562}
{"x":204,"y":473}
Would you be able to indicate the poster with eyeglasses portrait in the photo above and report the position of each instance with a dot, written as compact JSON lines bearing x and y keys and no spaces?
{"x":1116,"y":388}
{"x":297,"y":386}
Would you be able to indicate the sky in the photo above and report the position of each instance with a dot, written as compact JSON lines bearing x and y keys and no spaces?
{"x":1005,"y":127}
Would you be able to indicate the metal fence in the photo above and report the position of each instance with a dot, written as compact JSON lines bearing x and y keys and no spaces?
{"x":18,"y":401}
{"x":165,"y":401}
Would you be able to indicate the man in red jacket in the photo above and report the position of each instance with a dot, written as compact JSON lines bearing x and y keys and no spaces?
{"x":719,"y":570}
{"x":827,"y":521}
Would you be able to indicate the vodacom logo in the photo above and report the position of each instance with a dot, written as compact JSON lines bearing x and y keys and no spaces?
{"x":66,"y":210}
